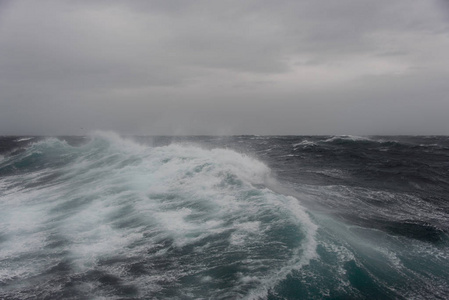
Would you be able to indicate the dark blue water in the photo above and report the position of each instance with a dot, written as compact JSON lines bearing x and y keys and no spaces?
{"x":241,"y":217}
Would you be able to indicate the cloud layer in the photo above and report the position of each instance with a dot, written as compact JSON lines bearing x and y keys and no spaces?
{"x":224,"y":67}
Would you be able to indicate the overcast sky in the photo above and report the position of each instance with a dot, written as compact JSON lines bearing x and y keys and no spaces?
{"x":224,"y":67}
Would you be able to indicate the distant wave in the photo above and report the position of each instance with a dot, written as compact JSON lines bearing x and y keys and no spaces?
{"x":304,"y":143}
{"x":24,"y":139}
{"x":345,"y":138}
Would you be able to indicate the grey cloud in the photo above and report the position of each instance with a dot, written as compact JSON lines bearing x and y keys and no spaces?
{"x":265,"y":67}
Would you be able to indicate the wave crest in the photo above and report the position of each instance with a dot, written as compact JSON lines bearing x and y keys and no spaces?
{"x":177,"y":218}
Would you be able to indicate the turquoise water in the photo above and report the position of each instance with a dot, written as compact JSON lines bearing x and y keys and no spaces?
{"x":115,"y":218}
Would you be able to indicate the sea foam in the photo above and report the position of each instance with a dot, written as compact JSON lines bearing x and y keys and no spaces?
{"x":150,"y":217}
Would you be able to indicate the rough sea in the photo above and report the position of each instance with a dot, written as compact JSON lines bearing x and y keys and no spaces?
{"x":239,"y":217}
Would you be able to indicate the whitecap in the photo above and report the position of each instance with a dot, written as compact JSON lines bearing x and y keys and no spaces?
{"x":304,"y":143}
{"x":347,"y":138}
{"x":117,"y":201}
{"x":23,"y":139}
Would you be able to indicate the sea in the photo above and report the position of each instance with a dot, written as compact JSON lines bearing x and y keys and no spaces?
{"x":105,"y":216}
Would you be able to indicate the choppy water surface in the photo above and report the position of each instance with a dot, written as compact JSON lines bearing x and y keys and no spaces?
{"x":242,"y":217}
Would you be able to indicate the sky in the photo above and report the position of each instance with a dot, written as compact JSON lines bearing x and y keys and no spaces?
{"x":284,"y":67}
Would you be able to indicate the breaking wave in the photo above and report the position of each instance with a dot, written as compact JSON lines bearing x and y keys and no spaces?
{"x":113,"y":218}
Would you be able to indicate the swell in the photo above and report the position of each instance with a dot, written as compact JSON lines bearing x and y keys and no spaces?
{"x":401,"y":163}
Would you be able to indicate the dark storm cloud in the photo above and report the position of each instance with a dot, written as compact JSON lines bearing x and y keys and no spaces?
{"x":198,"y":67}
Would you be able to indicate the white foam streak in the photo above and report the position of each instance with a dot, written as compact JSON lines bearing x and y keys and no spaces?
{"x":302,"y":255}
{"x":304,"y":143}
{"x":122,"y":199}
{"x":348,"y":138}
{"x":23,"y":139}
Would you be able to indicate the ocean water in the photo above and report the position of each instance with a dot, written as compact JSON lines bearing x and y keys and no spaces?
{"x":241,"y":217}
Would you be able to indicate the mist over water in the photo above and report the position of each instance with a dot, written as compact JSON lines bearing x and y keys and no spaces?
{"x":224,"y":217}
